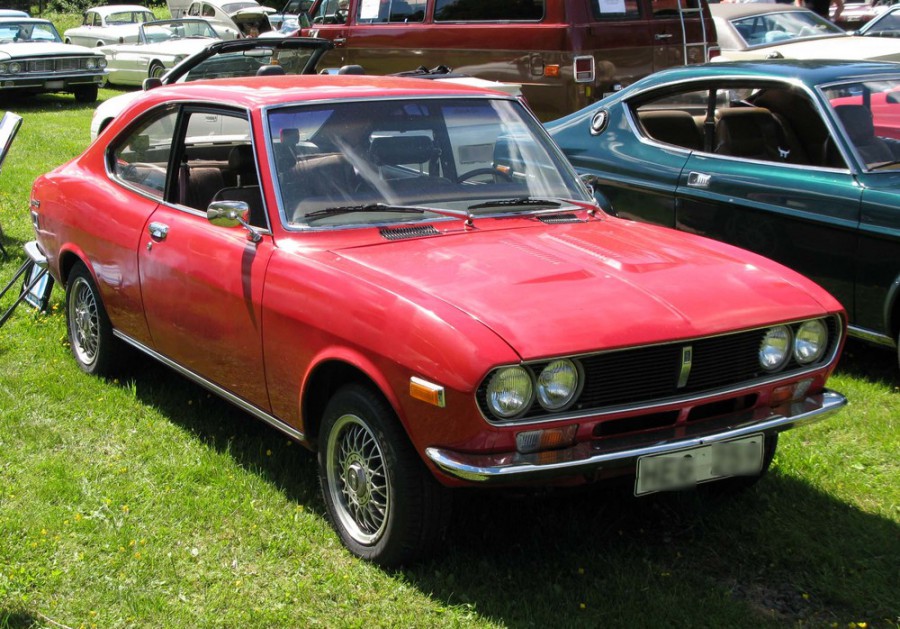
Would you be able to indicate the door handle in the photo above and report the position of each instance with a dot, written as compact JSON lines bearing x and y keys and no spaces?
{"x":158,"y":231}
{"x":659,"y":36}
{"x":699,"y":180}
{"x":340,"y":41}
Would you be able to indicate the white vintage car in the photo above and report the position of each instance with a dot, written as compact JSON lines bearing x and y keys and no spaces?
{"x":34,"y":59}
{"x":231,"y":19}
{"x":114,"y":24}
{"x":160,"y":46}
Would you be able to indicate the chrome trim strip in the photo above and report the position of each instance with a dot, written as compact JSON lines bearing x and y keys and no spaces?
{"x":590,"y":457}
{"x":871,"y":336}
{"x":241,"y":403}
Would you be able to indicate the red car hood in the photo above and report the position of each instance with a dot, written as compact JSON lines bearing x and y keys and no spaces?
{"x":576,"y":288}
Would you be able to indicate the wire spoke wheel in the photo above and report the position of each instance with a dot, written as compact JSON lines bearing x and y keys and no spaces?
{"x":357,"y":479}
{"x":84,"y":321}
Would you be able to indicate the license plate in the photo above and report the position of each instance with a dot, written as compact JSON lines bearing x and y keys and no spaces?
{"x":686,"y":468}
{"x":54,"y":85}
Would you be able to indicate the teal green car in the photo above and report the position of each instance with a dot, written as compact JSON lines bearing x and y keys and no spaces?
{"x":796,"y":160}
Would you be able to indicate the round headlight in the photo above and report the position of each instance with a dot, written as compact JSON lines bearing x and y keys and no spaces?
{"x":91,"y":64}
{"x":557,"y":384}
{"x":509,"y":392}
{"x":102,"y":63}
{"x":4,"y":68}
{"x":810,"y":343}
{"x":15,"y":67}
{"x":775,"y":348}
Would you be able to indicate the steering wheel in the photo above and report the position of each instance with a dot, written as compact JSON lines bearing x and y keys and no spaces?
{"x":484,"y":171}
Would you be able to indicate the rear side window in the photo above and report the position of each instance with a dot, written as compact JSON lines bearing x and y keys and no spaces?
{"x":495,"y":11}
{"x":615,"y":9}
{"x":670,"y":8}
{"x":390,"y":11}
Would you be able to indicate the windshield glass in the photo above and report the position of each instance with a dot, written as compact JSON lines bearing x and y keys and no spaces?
{"x":24,"y":32}
{"x":770,"y":28}
{"x":870,"y":114}
{"x":156,"y":32}
{"x":292,"y":60}
{"x":342,"y":163}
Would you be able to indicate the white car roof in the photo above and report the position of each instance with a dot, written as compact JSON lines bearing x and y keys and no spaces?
{"x":118,"y":8}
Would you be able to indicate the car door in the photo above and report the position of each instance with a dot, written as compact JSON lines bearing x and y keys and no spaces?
{"x":330,"y":21}
{"x":203,"y":284}
{"x":790,"y":203}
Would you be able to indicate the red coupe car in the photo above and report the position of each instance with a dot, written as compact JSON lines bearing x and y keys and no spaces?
{"x":408,"y":277}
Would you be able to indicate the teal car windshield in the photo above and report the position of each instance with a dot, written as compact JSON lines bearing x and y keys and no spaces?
{"x":870,"y":114}
{"x":344,"y":163}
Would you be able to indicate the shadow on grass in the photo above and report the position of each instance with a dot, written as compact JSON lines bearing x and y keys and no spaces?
{"x":780,"y":553}
{"x":874,"y":363}
{"x":17,"y":620}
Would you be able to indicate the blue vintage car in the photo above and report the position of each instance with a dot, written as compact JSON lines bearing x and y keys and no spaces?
{"x":796,"y":160}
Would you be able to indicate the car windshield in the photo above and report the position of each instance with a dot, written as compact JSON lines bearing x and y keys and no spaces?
{"x":155,"y":32}
{"x":232,"y":7}
{"x":887,"y":26}
{"x":25,"y":32}
{"x":292,"y":60}
{"x":771,"y":28}
{"x":870,"y":115}
{"x":348,"y":163}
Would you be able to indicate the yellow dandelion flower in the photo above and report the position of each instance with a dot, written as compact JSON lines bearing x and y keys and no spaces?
{"x":582,"y":606}
{"x":78,"y":517}
{"x":268,"y":453}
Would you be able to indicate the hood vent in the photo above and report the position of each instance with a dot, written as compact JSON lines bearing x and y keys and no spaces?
{"x":402,"y":233}
{"x":553,"y":219}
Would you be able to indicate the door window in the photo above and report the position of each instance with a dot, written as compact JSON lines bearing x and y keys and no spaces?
{"x":141,"y":159}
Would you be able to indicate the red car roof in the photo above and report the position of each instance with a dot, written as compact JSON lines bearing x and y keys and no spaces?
{"x":254,"y":92}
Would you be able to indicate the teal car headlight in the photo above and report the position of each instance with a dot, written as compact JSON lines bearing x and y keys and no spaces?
{"x":91,"y":64}
{"x":775,"y":348}
{"x":510,"y":392}
{"x":15,"y":67}
{"x":4,"y":68}
{"x":557,"y":384}
{"x":810,"y":342}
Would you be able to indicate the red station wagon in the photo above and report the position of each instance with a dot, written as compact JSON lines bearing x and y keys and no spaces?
{"x":408,"y":277}
{"x":565,"y":53}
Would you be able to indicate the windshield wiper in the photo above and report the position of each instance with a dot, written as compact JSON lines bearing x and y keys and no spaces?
{"x":385,"y":207}
{"x":519,"y":202}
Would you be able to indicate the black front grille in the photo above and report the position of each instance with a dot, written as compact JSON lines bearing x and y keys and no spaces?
{"x":645,"y":375}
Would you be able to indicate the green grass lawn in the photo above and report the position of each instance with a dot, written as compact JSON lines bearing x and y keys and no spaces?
{"x":146,"y":502}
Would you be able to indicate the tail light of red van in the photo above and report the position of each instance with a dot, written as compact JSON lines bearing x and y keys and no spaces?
{"x":584,"y":69}
{"x":712,"y":52}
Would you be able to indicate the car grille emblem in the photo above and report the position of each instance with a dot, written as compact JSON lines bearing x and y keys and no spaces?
{"x":687,"y":360}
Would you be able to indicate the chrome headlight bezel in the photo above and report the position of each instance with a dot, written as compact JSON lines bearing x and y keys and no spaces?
{"x":810,"y":342}
{"x":553,"y":376}
{"x":776,"y":348}
{"x":510,"y":392}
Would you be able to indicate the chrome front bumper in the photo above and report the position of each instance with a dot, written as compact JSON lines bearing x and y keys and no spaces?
{"x":589,"y":458}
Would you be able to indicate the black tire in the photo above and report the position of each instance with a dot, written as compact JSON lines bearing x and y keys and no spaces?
{"x":93,"y":345}
{"x":730,"y":486}
{"x":156,"y":70}
{"x":384,"y":504}
{"x":86,"y":94}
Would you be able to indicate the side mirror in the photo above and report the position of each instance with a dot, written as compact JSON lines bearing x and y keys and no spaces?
{"x":228,"y":213}
{"x":151,"y":83}
{"x":232,"y":214}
